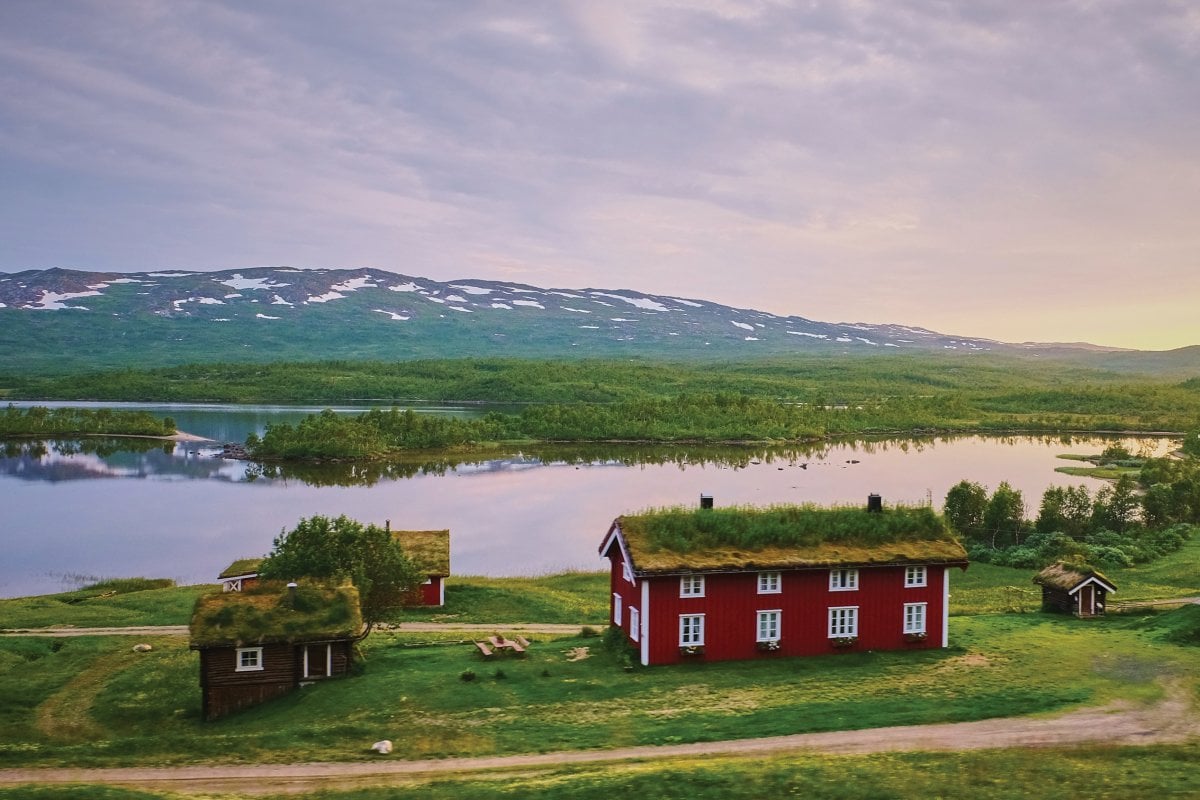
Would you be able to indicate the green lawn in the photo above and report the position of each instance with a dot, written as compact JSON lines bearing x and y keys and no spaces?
{"x":100,"y":607}
{"x":568,"y":597}
{"x":91,"y":701}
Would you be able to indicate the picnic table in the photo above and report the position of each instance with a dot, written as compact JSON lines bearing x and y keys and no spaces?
{"x":500,"y":644}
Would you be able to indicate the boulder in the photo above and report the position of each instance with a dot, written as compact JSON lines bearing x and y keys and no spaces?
{"x":382,"y":747}
{"x":142,"y":648}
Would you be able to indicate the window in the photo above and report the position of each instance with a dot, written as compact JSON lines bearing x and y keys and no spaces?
{"x":843,"y":621}
{"x":768,"y":626}
{"x":768,"y":583}
{"x":635,"y":624}
{"x":914,"y":576}
{"x":249,"y":659}
{"x":691,"y":586}
{"x":914,"y":617}
{"x":691,"y":630}
{"x":616,"y":609}
{"x":843,"y":580}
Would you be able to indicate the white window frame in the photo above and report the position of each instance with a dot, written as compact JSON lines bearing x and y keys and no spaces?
{"x":253,"y":664}
{"x":843,"y":580}
{"x":843,"y":621}
{"x":617,"y":615}
{"x":691,"y":630}
{"x":915,"y":577}
{"x":770,"y":583}
{"x":771,"y":620}
{"x":915,"y":617}
{"x":635,"y":624}
{"x":628,"y":573}
{"x":691,"y":586}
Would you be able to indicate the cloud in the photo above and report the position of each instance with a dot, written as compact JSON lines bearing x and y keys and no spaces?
{"x":839,"y":160}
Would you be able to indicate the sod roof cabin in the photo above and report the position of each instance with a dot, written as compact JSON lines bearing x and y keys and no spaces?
{"x":1074,"y":589}
{"x":263,"y":642}
{"x":241,"y":574}
{"x":740,"y":582}
{"x":430,"y":552}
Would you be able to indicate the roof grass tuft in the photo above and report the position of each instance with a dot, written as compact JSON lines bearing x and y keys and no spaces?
{"x":270,"y":613}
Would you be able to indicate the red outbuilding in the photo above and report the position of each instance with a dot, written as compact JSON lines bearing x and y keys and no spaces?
{"x":738,"y":583}
{"x":430,"y":552}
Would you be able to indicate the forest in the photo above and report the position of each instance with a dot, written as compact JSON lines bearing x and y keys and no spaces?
{"x":39,"y":421}
{"x":1132,"y":520}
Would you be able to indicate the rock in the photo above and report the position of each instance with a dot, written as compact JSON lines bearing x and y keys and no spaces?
{"x":382,"y":747}
{"x":142,"y":648}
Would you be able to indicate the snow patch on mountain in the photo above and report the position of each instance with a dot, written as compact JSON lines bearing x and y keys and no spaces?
{"x":240,"y":283}
{"x":53,"y":301}
{"x":639,"y":302}
{"x":469,"y":289}
{"x":392,"y":314}
{"x":406,"y":287}
{"x":742,"y":325}
{"x":528,"y":303}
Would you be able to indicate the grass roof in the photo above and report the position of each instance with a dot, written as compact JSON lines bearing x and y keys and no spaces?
{"x":243,"y":566}
{"x":429,"y":550}
{"x":268,"y":614}
{"x":1065,"y":576}
{"x":779,"y":537}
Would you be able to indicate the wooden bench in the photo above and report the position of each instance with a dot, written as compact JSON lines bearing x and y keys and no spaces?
{"x":484,"y":649}
{"x":521,"y":640}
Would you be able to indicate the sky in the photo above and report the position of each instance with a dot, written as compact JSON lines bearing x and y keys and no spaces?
{"x":1023,"y":170}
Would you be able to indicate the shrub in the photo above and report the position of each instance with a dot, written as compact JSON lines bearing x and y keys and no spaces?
{"x":467,"y":675}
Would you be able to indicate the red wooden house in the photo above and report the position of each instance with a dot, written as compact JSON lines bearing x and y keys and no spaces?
{"x":738,"y":583}
{"x":430,"y":552}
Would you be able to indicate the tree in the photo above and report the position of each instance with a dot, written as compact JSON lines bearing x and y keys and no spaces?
{"x":1066,"y":510}
{"x":964,"y":506}
{"x":1191,"y":443}
{"x":343,"y":548}
{"x":1115,"y":508}
{"x":1004,"y":517}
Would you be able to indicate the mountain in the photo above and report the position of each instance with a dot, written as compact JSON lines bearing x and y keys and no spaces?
{"x":64,"y":320}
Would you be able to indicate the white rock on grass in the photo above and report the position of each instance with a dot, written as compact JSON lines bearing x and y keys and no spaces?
{"x":382,"y":747}
{"x":142,"y":648}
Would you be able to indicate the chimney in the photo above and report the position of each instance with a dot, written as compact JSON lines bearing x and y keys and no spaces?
{"x":291,"y":601}
{"x":387,"y":525}
{"x":874,"y":503}
{"x":706,"y":501}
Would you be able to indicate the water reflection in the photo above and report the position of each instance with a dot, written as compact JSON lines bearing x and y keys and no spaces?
{"x":92,"y":458}
{"x":179,"y":511}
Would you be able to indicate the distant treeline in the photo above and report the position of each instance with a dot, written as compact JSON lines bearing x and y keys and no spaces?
{"x":45,"y":422}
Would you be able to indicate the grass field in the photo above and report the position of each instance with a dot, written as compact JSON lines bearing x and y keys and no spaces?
{"x":91,"y":701}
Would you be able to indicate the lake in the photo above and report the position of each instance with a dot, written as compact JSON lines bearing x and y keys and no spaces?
{"x":72,"y":511}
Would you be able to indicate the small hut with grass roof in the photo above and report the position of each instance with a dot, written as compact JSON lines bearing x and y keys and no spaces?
{"x":430,"y":552}
{"x":1074,"y":589}
{"x":740,"y":583}
{"x":240,"y":575}
{"x":263,"y":642}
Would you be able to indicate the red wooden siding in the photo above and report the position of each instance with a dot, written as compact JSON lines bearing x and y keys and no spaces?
{"x":431,"y":593}
{"x":731,"y":604}
{"x":629,"y":593}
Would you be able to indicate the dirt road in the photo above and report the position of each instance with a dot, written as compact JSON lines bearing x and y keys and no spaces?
{"x":1172,"y":719}
{"x":404,"y":627}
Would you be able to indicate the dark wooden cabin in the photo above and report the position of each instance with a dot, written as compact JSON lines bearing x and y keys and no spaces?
{"x":1074,"y":589}
{"x":264,"y":642}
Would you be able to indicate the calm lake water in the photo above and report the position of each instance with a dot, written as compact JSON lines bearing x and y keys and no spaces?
{"x":72,"y":510}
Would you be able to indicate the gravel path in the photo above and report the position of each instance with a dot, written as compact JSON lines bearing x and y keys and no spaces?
{"x":1172,"y":719}
{"x":404,"y":627}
